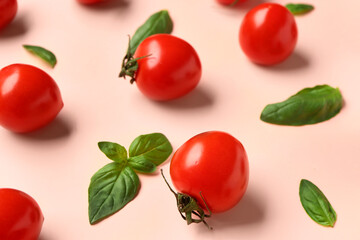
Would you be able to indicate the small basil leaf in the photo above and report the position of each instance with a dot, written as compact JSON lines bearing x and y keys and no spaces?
{"x":111,"y":188}
{"x":154,"y":147}
{"x":43,"y":53}
{"x":298,"y":9}
{"x":141,"y":165}
{"x":159,"y":22}
{"x":309,"y":106}
{"x":113,"y":151}
{"x":316,"y":204}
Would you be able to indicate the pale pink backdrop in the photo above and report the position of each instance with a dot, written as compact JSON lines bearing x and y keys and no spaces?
{"x":54,"y":165}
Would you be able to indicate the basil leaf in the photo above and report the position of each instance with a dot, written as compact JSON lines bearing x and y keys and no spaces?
{"x":43,"y":53}
{"x":154,"y":147}
{"x":113,"y":151}
{"x":111,"y":188}
{"x":298,"y":9}
{"x":141,"y":165}
{"x":316,"y":204}
{"x":309,"y":106}
{"x":159,"y":22}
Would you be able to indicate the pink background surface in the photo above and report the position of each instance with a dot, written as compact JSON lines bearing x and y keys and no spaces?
{"x":54,"y":165}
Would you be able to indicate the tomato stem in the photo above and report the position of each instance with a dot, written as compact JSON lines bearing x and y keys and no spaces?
{"x":188,"y":206}
{"x":129,"y":65}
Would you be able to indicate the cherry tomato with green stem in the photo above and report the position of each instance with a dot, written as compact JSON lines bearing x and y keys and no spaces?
{"x":167,"y":67}
{"x":8,"y":9}
{"x":29,"y":98}
{"x":20,"y":216}
{"x":268,"y":34}
{"x":213,"y":168}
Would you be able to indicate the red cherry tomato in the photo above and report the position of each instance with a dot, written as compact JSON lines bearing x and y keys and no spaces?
{"x":268,"y":34}
{"x":8,"y":9}
{"x":20,"y":216}
{"x":215,"y":164}
{"x":29,"y":98}
{"x":90,"y":1}
{"x":230,"y":2}
{"x":171,"y":70}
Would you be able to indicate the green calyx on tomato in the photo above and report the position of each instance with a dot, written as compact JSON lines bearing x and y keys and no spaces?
{"x":117,"y":183}
{"x":159,"y":22}
{"x":188,"y":205}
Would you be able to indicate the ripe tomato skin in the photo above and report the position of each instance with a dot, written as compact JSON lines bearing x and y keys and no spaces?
{"x":20,"y":216}
{"x":171,"y":70}
{"x":8,"y":9}
{"x":89,"y":2}
{"x":215,"y":164}
{"x":268,"y":34}
{"x":230,"y":2}
{"x":29,"y":98}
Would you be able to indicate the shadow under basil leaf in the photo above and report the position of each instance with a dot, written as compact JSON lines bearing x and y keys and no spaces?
{"x":198,"y":98}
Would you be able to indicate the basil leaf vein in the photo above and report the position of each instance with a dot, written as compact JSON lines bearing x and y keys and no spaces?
{"x":113,"y":151}
{"x":316,"y":205}
{"x":111,"y":188}
{"x":141,"y":165}
{"x":154,"y":147}
{"x":308,"y":106}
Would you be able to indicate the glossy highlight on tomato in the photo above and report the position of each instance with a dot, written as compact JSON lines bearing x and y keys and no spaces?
{"x":215,"y":164}
{"x":268,"y":34}
{"x":29,"y":98}
{"x":170,"y":68}
{"x":8,"y":9}
{"x":20,"y":216}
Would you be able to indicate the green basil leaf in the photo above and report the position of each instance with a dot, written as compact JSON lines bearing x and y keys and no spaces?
{"x":111,"y":188}
{"x":154,"y":147}
{"x":43,"y":53}
{"x":309,"y":106}
{"x":113,"y":151}
{"x":141,"y":165}
{"x":299,"y":9}
{"x":316,"y":204}
{"x":159,"y":22}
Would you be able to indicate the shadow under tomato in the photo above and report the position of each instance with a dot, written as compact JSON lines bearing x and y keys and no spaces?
{"x":108,"y":5}
{"x":250,"y":210}
{"x":16,"y":28}
{"x":59,"y":128}
{"x":45,"y":237}
{"x":200,"y":97}
{"x":296,"y":61}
